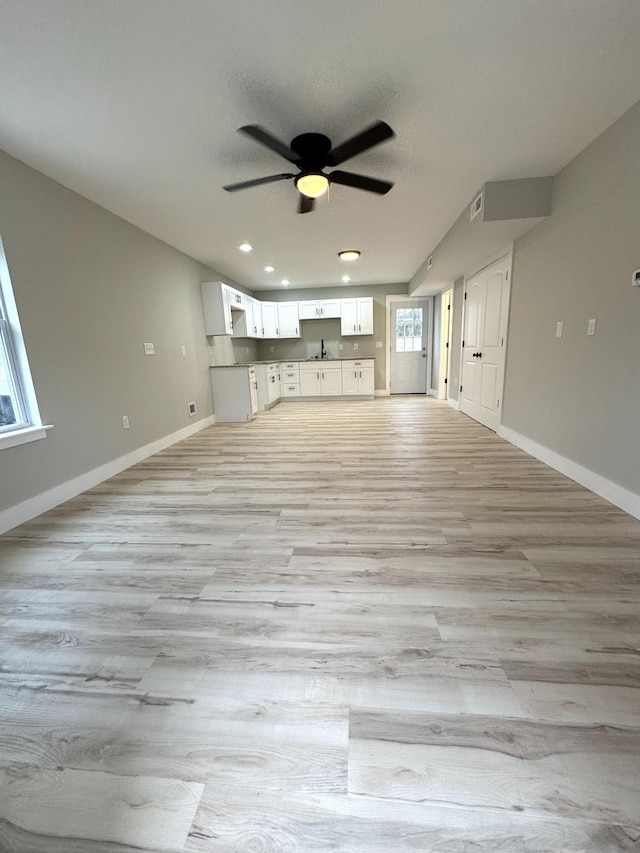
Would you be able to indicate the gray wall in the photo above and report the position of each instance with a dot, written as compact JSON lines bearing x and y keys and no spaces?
{"x":456,"y":338}
{"x":90,"y":290}
{"x":579,"y":395}
{"x":313,"y":331}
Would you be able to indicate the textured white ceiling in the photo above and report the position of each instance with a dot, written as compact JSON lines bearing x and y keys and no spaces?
{"x":136,"y":104}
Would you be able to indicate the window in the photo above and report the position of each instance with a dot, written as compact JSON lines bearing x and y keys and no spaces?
{"x":408,"y":329}
{"x":19,"y":416}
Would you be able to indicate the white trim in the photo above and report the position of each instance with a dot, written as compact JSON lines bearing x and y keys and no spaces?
{"x":18,"y":514}
{"x":434,"y":392}
{"x":610,"y":491}
{"x":16,"y":437}
{"x":455,"y":404}
{"x":381,"y":392}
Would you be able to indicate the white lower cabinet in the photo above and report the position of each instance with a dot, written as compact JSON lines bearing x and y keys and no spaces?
{"x":290,"y":378}
{"x":358,"y":378}
{"x":268,"y":384}
{"x":235,"y":393}
{"x":318,"y":379}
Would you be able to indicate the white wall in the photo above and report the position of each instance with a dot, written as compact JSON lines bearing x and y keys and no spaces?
{"x":90,"y":290}
{"x":579,"y":396}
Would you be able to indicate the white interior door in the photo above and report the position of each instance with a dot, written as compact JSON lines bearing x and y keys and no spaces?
{"x":484,"y":339}
{"x":408,"y":339}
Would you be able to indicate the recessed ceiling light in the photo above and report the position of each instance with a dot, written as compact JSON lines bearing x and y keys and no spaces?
{"x":285,"y":281}
{"x":269,"y":268}
{"x":349,"y":255}
{"x":346,"y":279}
{"x":245,"y":247}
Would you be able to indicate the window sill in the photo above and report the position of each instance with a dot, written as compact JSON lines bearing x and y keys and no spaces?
{"x":23,"y":436}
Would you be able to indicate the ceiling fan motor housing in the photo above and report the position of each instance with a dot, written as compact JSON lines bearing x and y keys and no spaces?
{"x":313,"y":149}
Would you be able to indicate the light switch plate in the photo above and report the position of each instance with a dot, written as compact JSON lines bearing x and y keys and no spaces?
{"x":149,"y":349}
{"x":355,"y":346}
{"x":591,"y":328}
{"x":183,"y":350}
{"x":125,"y":422}
{"x":559,"y":328}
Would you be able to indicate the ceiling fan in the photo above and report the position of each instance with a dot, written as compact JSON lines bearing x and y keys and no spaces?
{"x":312,"y":154}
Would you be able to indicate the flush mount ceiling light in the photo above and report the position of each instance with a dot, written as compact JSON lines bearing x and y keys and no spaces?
{"x":245,"y":247}
{"x":345,"y":279}
{"x":349,"y":255}
{"x":312,"y":184}
{"x":285,"y":281}
{"x":269,"y":268}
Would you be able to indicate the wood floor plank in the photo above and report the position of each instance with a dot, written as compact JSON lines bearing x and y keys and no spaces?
{"x":366,"y":626}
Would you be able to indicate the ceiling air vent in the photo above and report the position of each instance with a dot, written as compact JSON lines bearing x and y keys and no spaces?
{"x":476,"y":206}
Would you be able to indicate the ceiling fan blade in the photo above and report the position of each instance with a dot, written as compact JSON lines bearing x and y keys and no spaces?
{"x":360,"y":182}
{"x":306,"y":204}
{"x":374,"y":135}
{"x":231,"y":188}
{"x":264,"y":138}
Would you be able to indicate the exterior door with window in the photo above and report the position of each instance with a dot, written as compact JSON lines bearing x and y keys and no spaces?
{"x":484,"y":337}
{"x":408,"y":356}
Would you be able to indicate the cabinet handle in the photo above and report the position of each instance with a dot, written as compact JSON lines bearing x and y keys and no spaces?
{"x":359,"y":327}
{"x":360,"y":374}
{"x":323,"y":375}
{"x":296,"y":330}
{"x":317,"y":376}
{"x":277,"y":333}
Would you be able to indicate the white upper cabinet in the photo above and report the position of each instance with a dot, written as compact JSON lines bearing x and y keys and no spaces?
{"x":288,"y":323}
{"x":356,"y":316}
{"x":270,"y":319}
{"x":253,"y":318}
{"x":315,"y":309}
{"x":216,"y":308}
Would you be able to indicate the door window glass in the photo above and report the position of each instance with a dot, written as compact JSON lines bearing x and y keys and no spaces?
{"x":408,"y":329}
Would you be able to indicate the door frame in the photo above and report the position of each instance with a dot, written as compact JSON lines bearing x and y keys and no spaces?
{"x":399,"y":297}
{"x":506,"y":254}
{"x":446,"y":326}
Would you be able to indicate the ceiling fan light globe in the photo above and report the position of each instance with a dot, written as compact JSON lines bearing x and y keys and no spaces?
{"x":312,"y":184}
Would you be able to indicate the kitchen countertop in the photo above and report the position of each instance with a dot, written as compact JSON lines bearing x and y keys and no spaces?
{"x":291,"y":360}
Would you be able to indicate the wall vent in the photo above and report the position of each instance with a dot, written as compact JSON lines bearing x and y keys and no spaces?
{"x":476,"y":206}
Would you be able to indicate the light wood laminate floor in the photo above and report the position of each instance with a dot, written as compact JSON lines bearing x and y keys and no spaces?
{"x":361,"y":627}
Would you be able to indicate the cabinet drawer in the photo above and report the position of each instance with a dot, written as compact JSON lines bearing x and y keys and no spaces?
{"x":291,"y":389}
{"x":291,"y":376}
{"x":273,"y":368}
{"x":290,"y":365}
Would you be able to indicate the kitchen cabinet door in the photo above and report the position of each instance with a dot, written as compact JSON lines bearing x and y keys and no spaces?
{"x":270,"y":319}
{"x":288,"y":323}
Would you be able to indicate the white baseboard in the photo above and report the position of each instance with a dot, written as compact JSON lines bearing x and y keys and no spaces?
{"x":381,"y":392}
{"x":455,"y":404}
{"x":18,"y":514}
{"x":610,"y":491}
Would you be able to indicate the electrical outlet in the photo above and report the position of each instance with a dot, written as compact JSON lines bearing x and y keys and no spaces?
{"x":340,"y":346}
{"x":125,"y":422}
{"x":149,"y":349}
{"x":355,"y":346}
{"x":559,"y":328}
{"x":591,"y":328}
{"x":272,"y":349}
{"x":192,"y":409}
{"x":378,"y":344}
{"x":183,"y":350}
